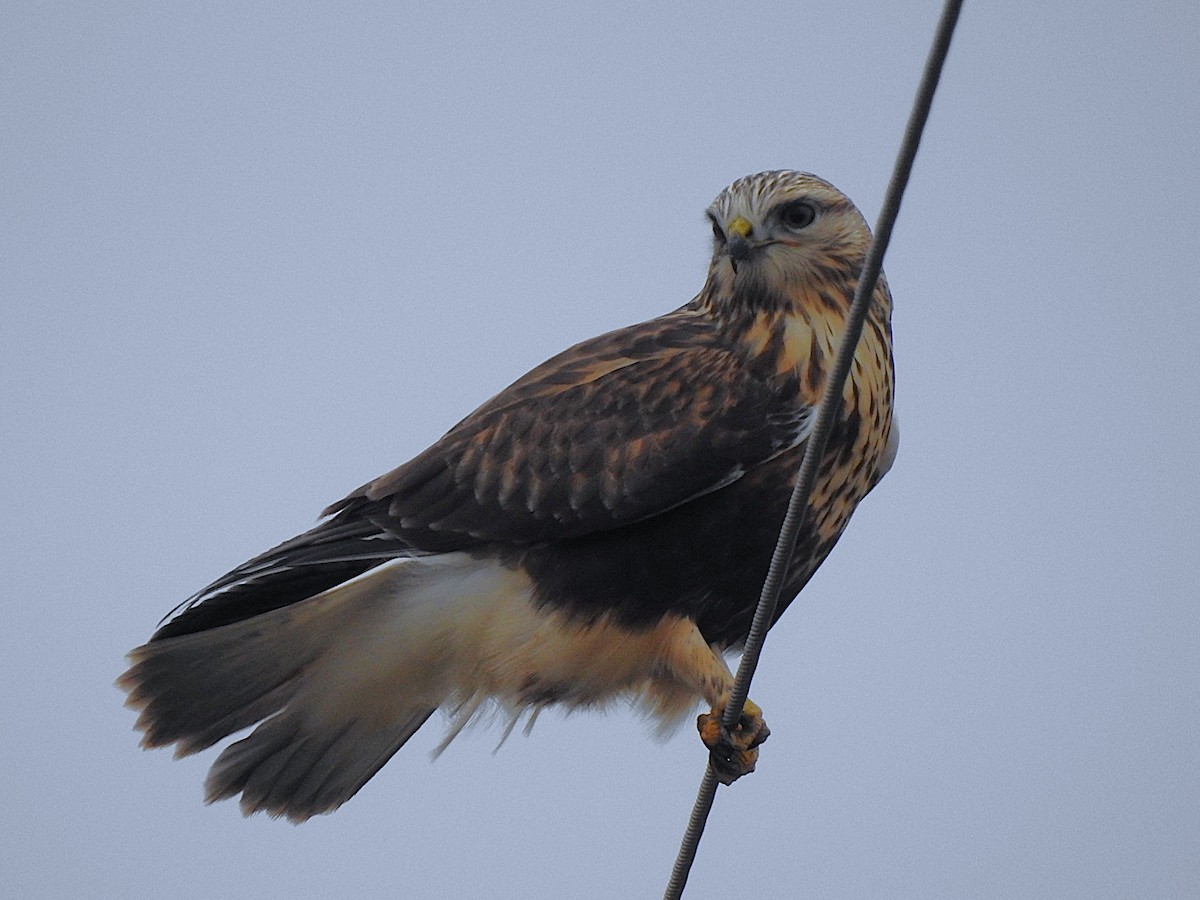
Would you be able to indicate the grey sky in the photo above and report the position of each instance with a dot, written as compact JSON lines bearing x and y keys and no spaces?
{"x":250,"y":258}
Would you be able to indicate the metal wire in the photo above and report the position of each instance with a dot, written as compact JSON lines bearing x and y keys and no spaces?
{"x":798,"y":504}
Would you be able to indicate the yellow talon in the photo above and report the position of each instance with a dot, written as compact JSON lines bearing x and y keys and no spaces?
{"x":733,"y":753}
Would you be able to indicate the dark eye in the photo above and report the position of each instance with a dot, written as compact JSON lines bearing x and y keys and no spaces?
{"x":718,"y":234}
{"x":798,"y":214}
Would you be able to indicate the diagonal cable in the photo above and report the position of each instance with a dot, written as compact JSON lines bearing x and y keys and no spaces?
{"x":781,"y":558}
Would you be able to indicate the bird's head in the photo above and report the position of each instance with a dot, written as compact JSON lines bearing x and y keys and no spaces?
{"x":778,"y":236}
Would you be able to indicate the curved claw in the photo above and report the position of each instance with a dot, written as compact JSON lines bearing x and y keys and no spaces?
{"x":733,"y":753}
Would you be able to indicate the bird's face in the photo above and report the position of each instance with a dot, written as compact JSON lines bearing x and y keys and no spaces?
{"x":776,"y":232}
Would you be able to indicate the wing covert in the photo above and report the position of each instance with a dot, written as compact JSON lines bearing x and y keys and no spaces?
{"x":612,"y":431}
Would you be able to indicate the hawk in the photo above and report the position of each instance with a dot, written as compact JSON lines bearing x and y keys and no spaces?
{"x":598,"y":530}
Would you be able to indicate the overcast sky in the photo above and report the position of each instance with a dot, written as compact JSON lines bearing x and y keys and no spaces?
{"x":253,"y":255}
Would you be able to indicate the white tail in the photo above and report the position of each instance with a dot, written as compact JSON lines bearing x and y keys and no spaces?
{"x":342,"y":680}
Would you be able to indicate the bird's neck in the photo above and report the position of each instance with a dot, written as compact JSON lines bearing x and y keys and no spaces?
{"x":793,"y":335}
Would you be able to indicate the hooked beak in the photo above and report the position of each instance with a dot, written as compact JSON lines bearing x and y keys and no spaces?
{"x":738,"y":244}
{"x":739,"y":250}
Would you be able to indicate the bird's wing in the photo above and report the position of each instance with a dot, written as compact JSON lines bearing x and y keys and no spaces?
{"x":612,"y":431}
{"x":322,"y":557}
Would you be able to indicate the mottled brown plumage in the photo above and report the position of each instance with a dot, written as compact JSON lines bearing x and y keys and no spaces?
{"x":585,"y":534}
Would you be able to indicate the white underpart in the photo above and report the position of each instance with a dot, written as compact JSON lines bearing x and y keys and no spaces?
{"x":462,"y":633}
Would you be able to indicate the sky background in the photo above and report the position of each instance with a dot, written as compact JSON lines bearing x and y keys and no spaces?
{"x":252,"y":255}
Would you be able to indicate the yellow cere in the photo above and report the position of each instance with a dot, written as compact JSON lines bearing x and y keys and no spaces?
{"x":740,"y":226}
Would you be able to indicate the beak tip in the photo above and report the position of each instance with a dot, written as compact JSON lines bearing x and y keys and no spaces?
{"x":739,"y":250}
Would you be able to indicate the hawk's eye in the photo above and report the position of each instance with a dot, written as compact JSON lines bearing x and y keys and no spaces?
{"x":718,"y":234}
{"x":798,"y":214}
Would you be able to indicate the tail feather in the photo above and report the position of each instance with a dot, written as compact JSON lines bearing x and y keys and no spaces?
{"x":336,"y":684}
{"x":288,"y":768}
{"x":195,"y":689}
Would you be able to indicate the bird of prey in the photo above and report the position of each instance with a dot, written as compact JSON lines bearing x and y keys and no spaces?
{"x":598,"y":530}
